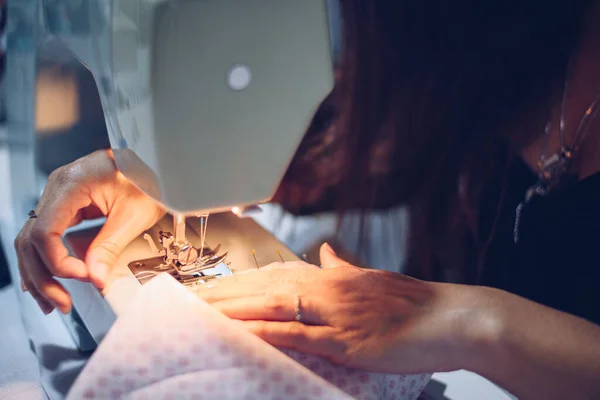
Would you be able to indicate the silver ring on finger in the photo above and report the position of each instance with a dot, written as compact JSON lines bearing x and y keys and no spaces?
{"x":297,"y":309}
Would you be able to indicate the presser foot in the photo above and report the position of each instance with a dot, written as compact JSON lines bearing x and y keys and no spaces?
{"x":183,"y":256}
{"x":183,"y":261}
{"x":146,"y":269}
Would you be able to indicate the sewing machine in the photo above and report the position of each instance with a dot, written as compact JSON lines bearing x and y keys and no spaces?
{"x":205,"y":103}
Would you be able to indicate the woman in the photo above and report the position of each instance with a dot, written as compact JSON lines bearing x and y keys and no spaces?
{"x":444,"y":107}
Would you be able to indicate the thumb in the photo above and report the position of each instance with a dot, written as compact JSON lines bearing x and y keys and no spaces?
{"x":120,"y":229}
{"x":329,"y":259}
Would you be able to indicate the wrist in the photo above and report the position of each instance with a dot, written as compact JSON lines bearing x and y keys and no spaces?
{"x":483,"y":329}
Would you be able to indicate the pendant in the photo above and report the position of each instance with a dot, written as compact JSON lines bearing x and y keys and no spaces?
{"x":536,"y":190}
{"x":518,"y":212}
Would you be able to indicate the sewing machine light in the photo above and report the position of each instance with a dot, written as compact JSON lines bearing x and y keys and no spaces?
{"x":245,"y":212}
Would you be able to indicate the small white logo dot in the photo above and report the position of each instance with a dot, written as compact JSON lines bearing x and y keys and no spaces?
{"x":239,"y":77}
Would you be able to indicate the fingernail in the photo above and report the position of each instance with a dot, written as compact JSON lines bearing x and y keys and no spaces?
{"x":23,"y":288}
{"x":47,"y":309}
{"x":99,"y":272}
{"x":64,"y":309}
{"x":328,"y":248}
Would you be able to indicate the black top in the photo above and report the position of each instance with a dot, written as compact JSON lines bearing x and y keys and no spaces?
{"x":556,"y":261}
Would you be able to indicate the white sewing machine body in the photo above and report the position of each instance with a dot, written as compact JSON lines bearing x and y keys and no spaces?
{"x":205,"y":101}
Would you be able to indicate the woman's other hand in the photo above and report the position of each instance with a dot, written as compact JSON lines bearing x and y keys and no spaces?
{"x":367,"y":319}
{"x":88,"y":188}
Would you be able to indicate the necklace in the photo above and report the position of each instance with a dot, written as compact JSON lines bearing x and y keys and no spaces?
{"x":554,"y":170}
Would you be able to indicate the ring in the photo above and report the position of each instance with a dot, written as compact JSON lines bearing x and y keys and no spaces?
{"x":297,"y":310}
{"x":32,"y":214}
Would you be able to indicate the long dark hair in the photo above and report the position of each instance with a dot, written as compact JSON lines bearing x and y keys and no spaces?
{"x":432,"y":98}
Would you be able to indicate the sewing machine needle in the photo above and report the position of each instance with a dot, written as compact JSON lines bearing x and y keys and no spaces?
{"x":203,"y":227}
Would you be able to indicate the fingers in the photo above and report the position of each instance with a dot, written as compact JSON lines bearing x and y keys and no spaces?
{"x":36,"y":279}
{"x":66,"y":200}
{"x":45,"y":233}
{"x":270,"y":307}
{"x":53,"y":254}
{"x":329,"y":259}
{"x":121,"y":228}
{"x":41,"y":279}
{"x":258,"y":283}
{"x":60,"y":207}
{"x":85,"y":188}
{"x":230,"y":288}
{"x":254,"y":283}
{"x":36,"y":276}
{"x":27,"y":283}
{"x":317,"y":340}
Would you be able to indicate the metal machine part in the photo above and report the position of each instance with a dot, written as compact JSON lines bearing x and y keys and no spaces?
{"x":144,"y":270}
{"x":178,"y":255}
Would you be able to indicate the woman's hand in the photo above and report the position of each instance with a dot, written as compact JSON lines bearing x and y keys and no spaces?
{"x":88,"y":188}
{"x":387,"y":322}
{"x":367,"y":319}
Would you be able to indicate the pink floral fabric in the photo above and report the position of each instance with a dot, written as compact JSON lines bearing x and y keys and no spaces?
{"x":171,"y":345}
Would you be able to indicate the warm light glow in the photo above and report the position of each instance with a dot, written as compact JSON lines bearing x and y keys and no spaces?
{"x":56,"y":101}
{"x":247,"y":211}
